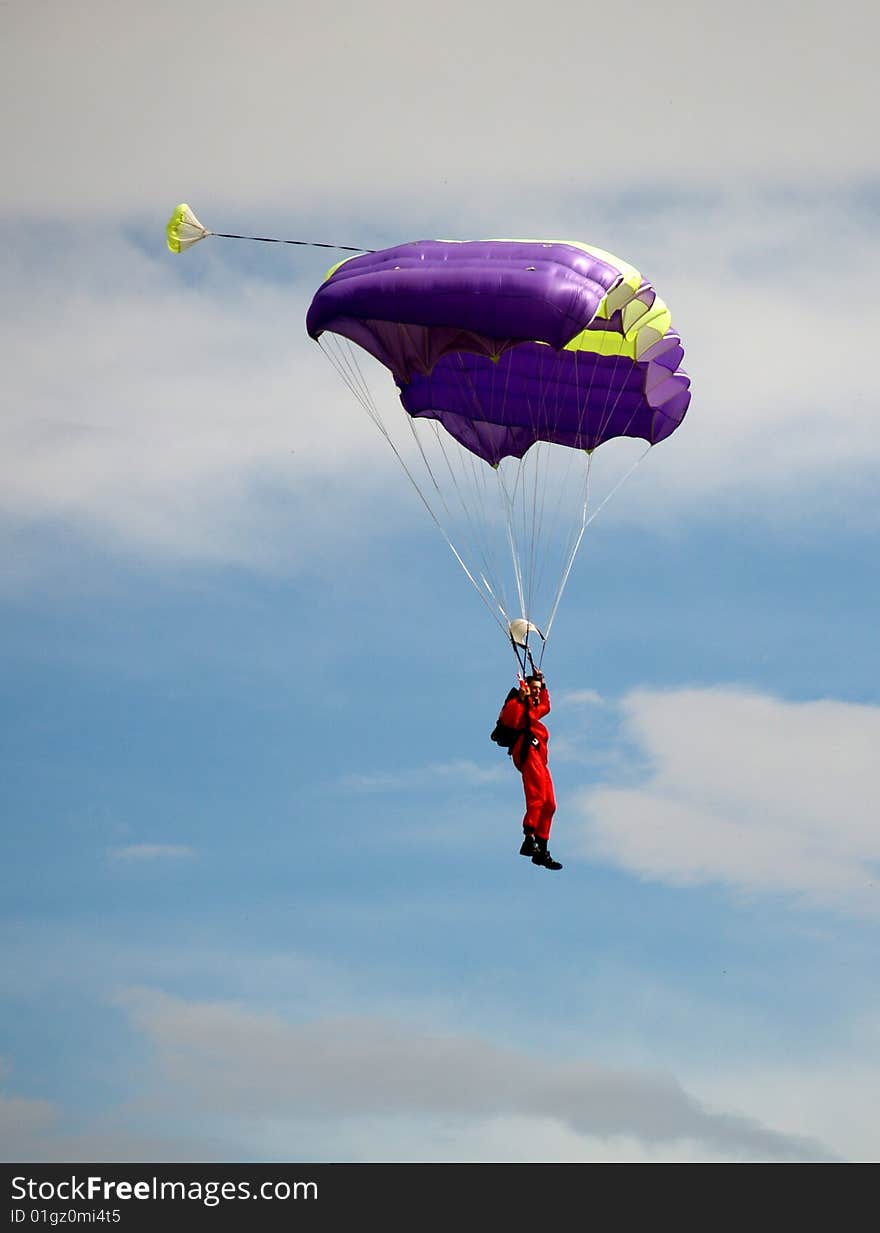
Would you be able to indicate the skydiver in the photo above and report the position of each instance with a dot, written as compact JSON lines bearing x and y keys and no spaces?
{"x":523,"y":710}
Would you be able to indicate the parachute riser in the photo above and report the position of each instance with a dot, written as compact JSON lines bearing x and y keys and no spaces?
{"x":520,"y":658}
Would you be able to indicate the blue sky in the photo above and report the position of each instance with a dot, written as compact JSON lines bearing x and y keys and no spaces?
{"x":261,"y":897}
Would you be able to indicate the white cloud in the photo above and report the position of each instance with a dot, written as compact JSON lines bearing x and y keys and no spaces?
{"x":838,"y":1097}
{"x":506,"y":1139}
{"x":38,"y":1131}
{"x":460,"y":772}
{"x":577,"y":697}
{"x":321,"y":1080}
{"x":749,"y":791}
{"x":166,"y":422}
{"x":116,"y":104}
{"x":230,"y":1062}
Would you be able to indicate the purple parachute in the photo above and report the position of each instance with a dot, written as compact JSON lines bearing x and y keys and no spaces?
{"x":510,"y":342}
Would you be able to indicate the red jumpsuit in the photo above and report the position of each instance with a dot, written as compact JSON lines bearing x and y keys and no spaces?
{"x":531,"y":760}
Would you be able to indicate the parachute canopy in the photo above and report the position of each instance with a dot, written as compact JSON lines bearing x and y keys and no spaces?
{"x":509,"y":342}
{"x":184,"y":229}
{"x":513,"y":360}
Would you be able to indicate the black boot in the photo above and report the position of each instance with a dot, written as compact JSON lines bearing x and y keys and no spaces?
{"x":529,"y":844}
{"x":543,"y":857}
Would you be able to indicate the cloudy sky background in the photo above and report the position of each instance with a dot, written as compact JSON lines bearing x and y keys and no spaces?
{"x":261,"y":897}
